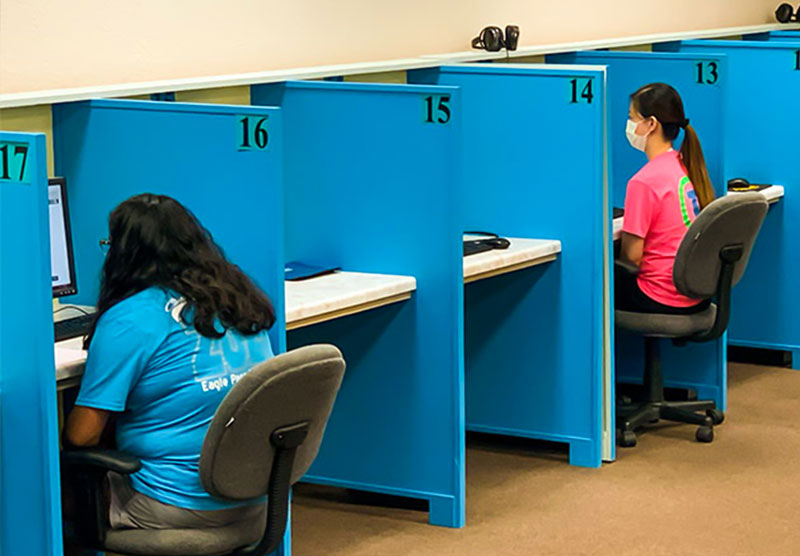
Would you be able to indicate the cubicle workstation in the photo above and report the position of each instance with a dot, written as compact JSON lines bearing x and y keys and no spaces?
{"x":533,"y":147}
{"x":701,"y":80}
{"x":777,"y":36}
{"x":371,"y":173}
{"x":224,"y":163}
{"x":761,"y":146}
{"x":30,"y":505}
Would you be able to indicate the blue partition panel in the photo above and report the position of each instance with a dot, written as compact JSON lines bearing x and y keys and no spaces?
{"x":370,"y":187}
{"x":533,"y":165}
{"x":779,"y":36}
{"x":761,"y":145}
{"x":224,"y":163}
{"x":30,"y":506}
{"x":109,"y":150}
{"x":701,"y":81}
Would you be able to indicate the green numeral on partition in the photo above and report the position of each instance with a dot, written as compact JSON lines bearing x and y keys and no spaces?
{"x":252,"y":133}
{"x":707,"y":73}
{"x":14,"y":162}
{"x":581,"y":91}
{"x":437,"y":109}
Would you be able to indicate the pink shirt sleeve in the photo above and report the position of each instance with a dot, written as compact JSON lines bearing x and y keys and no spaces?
{"x":640,"y":208}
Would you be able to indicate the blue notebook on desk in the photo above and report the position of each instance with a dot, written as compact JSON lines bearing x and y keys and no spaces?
{"x":296,"y":270}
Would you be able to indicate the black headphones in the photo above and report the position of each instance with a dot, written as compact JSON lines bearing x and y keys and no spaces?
{"x":492,"y":39}
{"x":786,"y":14}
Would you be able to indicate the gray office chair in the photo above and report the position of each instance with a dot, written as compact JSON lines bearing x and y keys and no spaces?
{"x":262,"y":439}
{"x":711,"y":259}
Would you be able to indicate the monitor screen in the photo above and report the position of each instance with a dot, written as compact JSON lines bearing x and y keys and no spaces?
{"x":61,"y":261}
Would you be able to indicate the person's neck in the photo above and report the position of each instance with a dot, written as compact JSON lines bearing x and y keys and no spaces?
{"x":655,"y":148}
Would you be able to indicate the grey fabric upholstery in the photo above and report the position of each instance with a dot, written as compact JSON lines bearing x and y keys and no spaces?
{"x":728,"y":220}
{"x":666,"y":326}
{"x":180,"y":542}
{"x":300,"y":385}
{"x":236,"y":459}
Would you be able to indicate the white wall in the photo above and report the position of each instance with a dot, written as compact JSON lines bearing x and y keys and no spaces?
{"x":73,"y":43}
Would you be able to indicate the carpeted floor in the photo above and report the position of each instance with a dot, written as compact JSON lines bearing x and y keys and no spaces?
{"x":670,"y":495}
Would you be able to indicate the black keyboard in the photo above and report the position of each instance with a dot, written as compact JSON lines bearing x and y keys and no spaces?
{"x":618,"y":212}
{"x":73,"y":327}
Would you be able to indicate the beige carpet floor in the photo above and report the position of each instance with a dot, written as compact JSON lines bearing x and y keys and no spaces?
{"x":670,"y":495}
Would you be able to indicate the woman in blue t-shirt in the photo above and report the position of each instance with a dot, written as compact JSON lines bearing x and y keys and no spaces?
{"x":177,"y":325}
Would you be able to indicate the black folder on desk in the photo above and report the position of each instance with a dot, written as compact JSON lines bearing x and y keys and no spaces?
{"x":295,"y":270}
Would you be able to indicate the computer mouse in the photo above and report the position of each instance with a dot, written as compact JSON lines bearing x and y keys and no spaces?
{"x":500,"y":243}
{"x":738,"y":183}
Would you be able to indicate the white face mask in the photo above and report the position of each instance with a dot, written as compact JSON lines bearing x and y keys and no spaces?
{"x":638,"y":142}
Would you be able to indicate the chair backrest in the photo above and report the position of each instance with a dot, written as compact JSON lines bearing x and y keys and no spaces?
{"x":728,"y":221}
{"x":299,"y":386}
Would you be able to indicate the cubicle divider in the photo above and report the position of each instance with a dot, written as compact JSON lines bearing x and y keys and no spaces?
{"x":761,"y":145}
{"x":371,"y":174}
{"x":533,"y":144}
{"x":224,"y":163}
{"x":775,"y":36}
{"x":30,"y":506}
{"x":701,"y":79}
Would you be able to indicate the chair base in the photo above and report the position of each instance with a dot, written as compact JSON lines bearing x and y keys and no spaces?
{"x":631,"y":417}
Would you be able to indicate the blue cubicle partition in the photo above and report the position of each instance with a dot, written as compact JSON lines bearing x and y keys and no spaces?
{"x":533,"y":166}
{"x":371,"y":173}
{"x":778,"y":36}
{"x":701,"y":80}
{"x":109,"y":150}
{"x":761,"y":145}
{"x":224,"y":163}
{"x":30,"y":506}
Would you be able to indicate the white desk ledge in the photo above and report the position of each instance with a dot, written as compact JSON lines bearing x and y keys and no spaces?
{"x":773,"y":193}
{"x":340,"y":294}
{"x":70,"y":359}
{"x":522,"y":253}
{"x":617,"y":227}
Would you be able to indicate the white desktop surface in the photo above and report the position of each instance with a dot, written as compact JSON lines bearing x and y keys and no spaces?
{"x":307,"y":301}
{"x":617,"y":227}
{"x":773,"y":193}
{"x":70,"y":358}
{"x":522,"y":253}
{"x":342,"y":293}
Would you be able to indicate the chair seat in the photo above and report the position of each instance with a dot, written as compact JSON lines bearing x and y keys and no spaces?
{"x":217,"y":541}
{"x":661,"y":325}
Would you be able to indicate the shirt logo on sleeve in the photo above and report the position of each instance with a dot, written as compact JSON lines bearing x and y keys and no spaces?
{"x":683,"y":194}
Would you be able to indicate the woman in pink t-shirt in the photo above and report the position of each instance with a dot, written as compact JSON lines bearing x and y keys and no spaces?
{"x":661,"y":202}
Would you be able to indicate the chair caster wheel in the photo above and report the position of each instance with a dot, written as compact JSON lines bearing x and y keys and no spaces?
{"x":705,"y":434}
{"x":716,"y":415}
{"x":627,"y":439}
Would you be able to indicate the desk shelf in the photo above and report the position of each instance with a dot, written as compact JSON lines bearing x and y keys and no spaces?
{"x":773,"y":193}
{"x":522,"y":253}
{"x":307,"y":302}
{"x":340,"y":294}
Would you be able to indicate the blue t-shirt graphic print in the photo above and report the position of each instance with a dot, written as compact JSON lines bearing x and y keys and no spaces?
{"x":166,"y":380}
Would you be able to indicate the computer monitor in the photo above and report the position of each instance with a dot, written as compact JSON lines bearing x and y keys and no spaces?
{"x":62,"y":263}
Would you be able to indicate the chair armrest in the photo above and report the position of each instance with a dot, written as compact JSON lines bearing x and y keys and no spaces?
{"x":101,"y":459}
{"x":83,"y":475}
{"x":626,"y":266}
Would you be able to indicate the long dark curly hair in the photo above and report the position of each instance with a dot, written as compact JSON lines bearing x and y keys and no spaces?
{"x":156,"y":241}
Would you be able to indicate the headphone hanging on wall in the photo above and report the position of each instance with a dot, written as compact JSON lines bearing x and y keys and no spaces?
{"x":786,"y":13}
{"x":492,"y":38}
